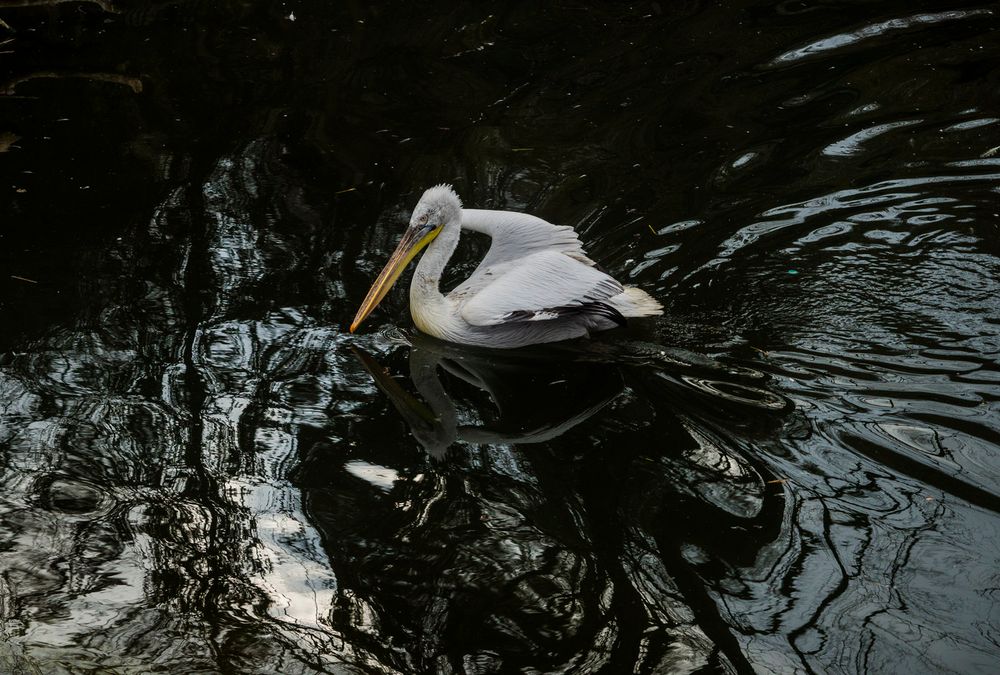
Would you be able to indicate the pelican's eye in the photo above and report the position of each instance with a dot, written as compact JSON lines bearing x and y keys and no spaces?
{"x":424,"y":223}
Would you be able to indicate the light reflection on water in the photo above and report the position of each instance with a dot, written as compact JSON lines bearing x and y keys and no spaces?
{"x":794,"y":469}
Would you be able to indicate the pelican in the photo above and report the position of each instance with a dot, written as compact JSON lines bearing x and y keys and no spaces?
{"x":535,"y":284}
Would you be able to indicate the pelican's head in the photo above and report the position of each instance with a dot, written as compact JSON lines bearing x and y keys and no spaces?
{"x":439,"y":206}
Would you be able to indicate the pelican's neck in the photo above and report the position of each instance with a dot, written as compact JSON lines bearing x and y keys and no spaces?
{"x":425,"y":292}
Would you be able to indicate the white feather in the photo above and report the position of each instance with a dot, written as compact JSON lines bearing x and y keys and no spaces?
{"x":538,"y":282}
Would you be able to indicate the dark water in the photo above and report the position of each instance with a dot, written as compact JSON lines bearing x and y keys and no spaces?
{"x":796,"y":469}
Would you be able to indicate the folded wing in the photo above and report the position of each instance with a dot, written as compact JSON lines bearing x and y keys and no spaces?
{"x":516,"y":235}
{"x":542,"y":286}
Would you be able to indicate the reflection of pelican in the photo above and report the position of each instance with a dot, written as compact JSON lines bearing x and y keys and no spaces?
{"x":534,"y":285}
{"x":566,"y":394}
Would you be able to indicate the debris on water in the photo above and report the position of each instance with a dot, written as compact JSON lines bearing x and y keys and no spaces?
{"x":30,"y":281}
{"x":793,"y":272}
{"x":7,"y":140}
{"x":381,"y":477}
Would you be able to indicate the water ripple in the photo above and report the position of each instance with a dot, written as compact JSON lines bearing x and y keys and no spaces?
{"x":871,"y":32}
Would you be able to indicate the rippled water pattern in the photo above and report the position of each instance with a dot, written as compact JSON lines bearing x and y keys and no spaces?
{"x":795,"y":469}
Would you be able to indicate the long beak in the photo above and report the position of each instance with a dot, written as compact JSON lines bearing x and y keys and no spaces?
{"x":409,"y":246}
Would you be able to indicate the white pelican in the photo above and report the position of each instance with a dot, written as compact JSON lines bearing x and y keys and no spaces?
{"x":535,"y":284}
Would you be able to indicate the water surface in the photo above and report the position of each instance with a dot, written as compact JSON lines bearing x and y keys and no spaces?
{"x":795,"y":469}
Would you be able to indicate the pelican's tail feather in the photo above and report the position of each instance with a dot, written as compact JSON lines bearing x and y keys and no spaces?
{"x":635,"y":302}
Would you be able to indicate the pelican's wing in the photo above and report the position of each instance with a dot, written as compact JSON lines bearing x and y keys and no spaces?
{"x":542,"y":286}
{"x":516,"y":235}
